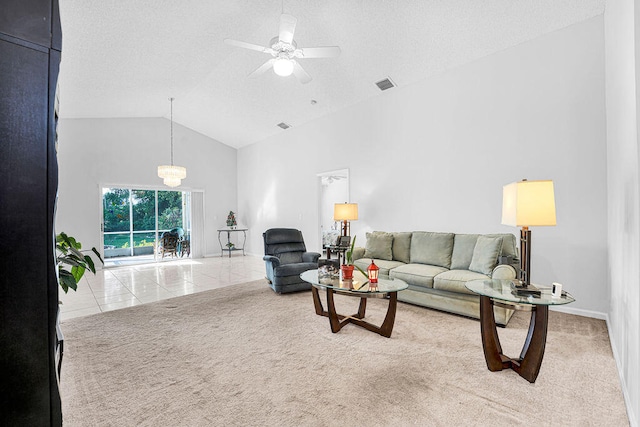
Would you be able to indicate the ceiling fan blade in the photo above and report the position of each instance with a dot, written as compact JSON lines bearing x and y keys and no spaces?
{"x":318,"y":52}
{"x":287,"y":28}
{"x":300,"y":73}
{"x":261,"y":69}
{"x":247,"y":45}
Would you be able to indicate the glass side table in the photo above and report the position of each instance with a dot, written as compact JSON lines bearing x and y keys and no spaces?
{"x":500,"y":292}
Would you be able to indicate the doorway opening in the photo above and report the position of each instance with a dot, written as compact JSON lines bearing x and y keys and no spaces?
{"x":334,"y":188}
{"x":133,"y":222}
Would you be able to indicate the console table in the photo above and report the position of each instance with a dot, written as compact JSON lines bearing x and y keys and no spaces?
{"x":500,"y":292}
{"x":230,"y":247}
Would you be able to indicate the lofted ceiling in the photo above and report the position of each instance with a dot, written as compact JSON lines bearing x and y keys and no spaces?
{"x":125,"y":58}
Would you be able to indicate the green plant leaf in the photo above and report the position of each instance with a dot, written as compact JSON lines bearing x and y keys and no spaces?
{"x":361,"y":271}
{"x":95,"y":251}
{"x":67,"y":281}
{"x":89,"y":262}
{"x":77,"y":272}
{"x":349,"y":253}
{"x":69,"y":260}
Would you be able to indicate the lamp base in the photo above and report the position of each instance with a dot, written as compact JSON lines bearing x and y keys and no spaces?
{"x":522,"y":290}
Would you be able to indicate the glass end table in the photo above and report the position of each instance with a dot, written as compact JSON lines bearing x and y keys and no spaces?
{"x":502,"y":293}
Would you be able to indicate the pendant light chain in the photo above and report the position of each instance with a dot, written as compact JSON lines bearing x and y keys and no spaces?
{"x":171,"y":99}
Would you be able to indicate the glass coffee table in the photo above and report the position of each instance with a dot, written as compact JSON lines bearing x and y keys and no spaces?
{"x":358,"y":287}
{"x":500,"y":292}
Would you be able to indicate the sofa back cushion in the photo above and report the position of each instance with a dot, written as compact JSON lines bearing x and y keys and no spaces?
{"x":431,"y":248}
{"x":402,"y":247}
{"x":485,"y":254}
{"x":463,"y":245}
{"x":379,"y":246}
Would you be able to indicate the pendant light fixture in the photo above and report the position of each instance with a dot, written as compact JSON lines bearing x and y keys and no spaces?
{"x":172,"y":175}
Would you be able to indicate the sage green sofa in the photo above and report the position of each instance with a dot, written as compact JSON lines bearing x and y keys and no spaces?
{"x":436,"y":266}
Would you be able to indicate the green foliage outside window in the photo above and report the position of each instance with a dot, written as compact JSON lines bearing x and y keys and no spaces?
{"x":116,"y":214}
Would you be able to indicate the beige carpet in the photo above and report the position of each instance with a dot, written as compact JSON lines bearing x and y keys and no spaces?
{"x":246,"y":356}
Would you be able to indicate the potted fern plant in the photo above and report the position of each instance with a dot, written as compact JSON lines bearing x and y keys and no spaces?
{"x":72,"y":263}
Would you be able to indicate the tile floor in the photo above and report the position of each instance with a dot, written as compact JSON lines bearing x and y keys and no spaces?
{"x":128,"y":285}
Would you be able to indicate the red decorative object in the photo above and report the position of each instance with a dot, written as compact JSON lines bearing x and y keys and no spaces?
{"x":347,"y":271}
{"x":372,"y":271}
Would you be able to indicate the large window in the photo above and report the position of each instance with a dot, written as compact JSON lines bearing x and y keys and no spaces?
{"x":134,"y":219}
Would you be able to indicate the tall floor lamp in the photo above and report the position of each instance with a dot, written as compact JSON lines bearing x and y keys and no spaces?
{"x":345,"y":212}
{"x":526,"y":204}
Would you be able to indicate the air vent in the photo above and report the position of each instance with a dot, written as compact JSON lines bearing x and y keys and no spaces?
{"x":385,"y":84}
{"x":283,"y":125}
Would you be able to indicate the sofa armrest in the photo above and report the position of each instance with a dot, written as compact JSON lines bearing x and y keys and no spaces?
{"x":358,"y":253}
{"x":504,"y":272}
{"x":310,"y":257}
{"x":273,"y":260}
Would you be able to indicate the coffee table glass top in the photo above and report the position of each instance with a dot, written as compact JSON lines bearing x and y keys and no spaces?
{"x":359,"y":284}
{"x":502,"y":290}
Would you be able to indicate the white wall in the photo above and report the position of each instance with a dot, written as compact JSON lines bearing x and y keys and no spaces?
{"x":622,"y":28}
{"x":127,"y":152}
{"x":435,"y":155}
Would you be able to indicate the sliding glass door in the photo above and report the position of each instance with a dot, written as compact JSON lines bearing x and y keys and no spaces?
{"x":133,"y":220}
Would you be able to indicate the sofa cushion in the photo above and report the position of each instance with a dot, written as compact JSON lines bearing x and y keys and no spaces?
{"x":431,"y":248}
{"x":382,"y":264}
{"x":379,"y":246}
{"x":402,"y":246}
{"x":417,"y":274}
{"x":463,"y":245}
{"x":485,"y":254}
{"x":454,"y":280}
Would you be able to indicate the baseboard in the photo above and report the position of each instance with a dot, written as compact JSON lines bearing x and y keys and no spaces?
{"x":579,"y":312}
{"x":633,"y":421}
{"x":604,"y":316}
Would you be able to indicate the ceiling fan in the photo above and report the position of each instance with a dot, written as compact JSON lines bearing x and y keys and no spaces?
{"x":284,"y":52}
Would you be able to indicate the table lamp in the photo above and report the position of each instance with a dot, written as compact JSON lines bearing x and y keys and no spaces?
{"x":345,"y":212}
{"x":528,"y":204}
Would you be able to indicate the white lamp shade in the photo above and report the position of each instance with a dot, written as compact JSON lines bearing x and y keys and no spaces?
{"x":283,"y":67}
{"x":345,"y":212}
{"x":528,"y":203}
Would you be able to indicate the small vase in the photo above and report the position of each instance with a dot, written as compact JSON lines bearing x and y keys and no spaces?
{"x":347,"y":271}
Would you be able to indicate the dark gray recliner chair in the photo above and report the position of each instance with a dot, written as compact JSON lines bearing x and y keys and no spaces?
{"x":286,"y":257}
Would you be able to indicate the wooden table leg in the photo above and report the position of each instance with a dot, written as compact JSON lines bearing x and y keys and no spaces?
{"x":490,"y":340}
{"x":317,"y":303}
{"x":528,"y":366}
{"x":387,"y":325}
{"x":334,"y":318}
{"x":530,"y":360}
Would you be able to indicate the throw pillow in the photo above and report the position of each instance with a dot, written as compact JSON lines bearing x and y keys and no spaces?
{"x":485,"y":254}
{"x":379,"y":246}
{"x":463,"y":246}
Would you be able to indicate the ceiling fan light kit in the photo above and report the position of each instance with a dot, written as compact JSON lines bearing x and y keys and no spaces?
{"x":283,"y":67}
{"x":284,"y":50}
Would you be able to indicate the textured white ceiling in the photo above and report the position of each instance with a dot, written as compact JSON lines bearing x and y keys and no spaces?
{"x":125,"y":58}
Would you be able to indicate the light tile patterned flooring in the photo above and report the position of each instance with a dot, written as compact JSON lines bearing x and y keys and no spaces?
{"x":125,"y":286}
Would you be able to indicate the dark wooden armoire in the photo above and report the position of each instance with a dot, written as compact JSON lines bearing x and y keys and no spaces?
{"x":30,"y":46}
